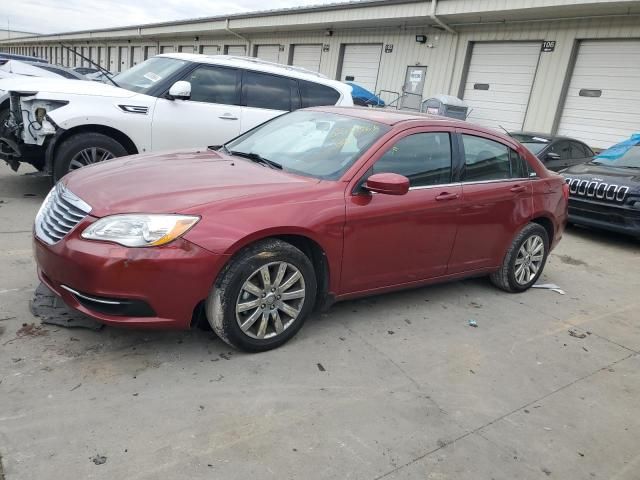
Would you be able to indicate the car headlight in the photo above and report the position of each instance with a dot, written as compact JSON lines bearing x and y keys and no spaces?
{"x":140,"y":230}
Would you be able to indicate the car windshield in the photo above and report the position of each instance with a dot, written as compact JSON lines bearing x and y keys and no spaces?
{"x":147,"y":74}
{"x":630,"y":159}
{"x":533,"y":143}
{"x":60,"y":71}
{"x":315,"y":144}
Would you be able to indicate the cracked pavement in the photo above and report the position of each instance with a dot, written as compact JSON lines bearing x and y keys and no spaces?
{"x":407,"y":390}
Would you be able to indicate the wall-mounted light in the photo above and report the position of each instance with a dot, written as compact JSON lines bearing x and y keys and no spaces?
{"x":421,"y":38}
{"x":195,"y":39}
{"x":328,"y":33}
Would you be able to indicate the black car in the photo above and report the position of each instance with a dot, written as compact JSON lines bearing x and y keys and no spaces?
{"x":605,"y":193}
{"x":555,"y":152}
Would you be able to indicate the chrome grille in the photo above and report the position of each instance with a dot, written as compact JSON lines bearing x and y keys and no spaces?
{"x":597,"y":190}
{"x":60,"y":212}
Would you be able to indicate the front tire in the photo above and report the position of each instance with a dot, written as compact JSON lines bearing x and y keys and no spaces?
{"x":524,"y":261}
{"x":263,"y":297}
{"x":85,"y":149}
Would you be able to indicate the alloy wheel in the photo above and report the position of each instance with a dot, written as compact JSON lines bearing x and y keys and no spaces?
{"x":270,"y":300}
{"x":529,"y":259}
{"x":87,"y":156}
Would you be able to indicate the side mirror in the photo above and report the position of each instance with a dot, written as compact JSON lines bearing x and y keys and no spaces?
{"x":181,"y":90}
{"x":387,"y":183}
{"x":552,"y":156}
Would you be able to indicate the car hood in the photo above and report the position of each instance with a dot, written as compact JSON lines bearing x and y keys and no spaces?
{"x":591,"y":171}
{"x":62,"y":86}
{"x":174,"y":182}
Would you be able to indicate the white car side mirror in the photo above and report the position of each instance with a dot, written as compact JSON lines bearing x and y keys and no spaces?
{"x":181,"y":90}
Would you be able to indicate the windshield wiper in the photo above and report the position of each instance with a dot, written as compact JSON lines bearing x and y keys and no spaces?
{"x":254,"y":157}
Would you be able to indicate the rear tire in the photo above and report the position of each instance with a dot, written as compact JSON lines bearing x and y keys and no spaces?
{"x":84,"y":149}
{"x":262,"y":298}
{"x":524,"y":261}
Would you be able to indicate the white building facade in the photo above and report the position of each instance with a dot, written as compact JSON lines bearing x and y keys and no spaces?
{"x":551,"y":66}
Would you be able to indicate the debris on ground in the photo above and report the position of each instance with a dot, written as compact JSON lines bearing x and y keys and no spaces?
{"x":473,"y":323}
{"x":549,"y":286}
{"x":321,"y":368}
{"x":76,"y":387}
{"x":390,"y":332}
{"x":475,"y":304}
{"x":99,"y":459}
{"x":574,"y":333}
{"x":53,"y":311}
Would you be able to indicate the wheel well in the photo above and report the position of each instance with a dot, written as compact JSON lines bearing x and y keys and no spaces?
{"x":318,"y":258}
{"x":547,"y":225}
{"x":117,"y":135}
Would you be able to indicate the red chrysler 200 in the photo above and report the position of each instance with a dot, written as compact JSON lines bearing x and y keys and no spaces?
{"x":314,"y":206}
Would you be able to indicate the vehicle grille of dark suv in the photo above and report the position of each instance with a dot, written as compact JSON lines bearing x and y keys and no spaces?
{"x":60,"y":212}
{"x":597,"y":190}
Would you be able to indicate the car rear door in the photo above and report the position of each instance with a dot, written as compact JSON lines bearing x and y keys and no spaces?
{"x":265,"y":96}
{"x":496,"y":201}
{"x":394,"y":240}
{"x":211,"y":116}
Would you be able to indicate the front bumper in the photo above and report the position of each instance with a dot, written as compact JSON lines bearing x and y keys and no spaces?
{"x":157,"y":287}
{"x":597,"y":214}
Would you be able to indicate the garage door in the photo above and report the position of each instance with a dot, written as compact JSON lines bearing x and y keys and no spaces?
{"x":307,"y":56}
{"x":185,"y":48}
{"x":602,"y":106}
{"x":360,"y":64}
{"x":239,"y":50}
{"x":167,"y":49}
{"x":209,"y":49}
{"x":499,"y":81}
{"x":269,"y":53}
{"x":136,"y":55}
{"x":151,"y":52}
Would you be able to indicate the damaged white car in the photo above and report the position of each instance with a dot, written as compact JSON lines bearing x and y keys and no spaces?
{"x":170,"y":101}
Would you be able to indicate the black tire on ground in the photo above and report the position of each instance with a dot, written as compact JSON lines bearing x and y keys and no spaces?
{"x":228,"y":288}
{"x":505,"y":278}
{"x":73,"y":145}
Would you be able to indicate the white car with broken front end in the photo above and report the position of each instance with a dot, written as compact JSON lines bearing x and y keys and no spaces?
{"x":171,"y":101}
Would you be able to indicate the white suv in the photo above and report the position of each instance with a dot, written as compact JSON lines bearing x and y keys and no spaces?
{"x":170,"y":101}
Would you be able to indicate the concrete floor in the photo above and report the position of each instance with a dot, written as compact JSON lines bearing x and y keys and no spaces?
{"x":396,"y":386}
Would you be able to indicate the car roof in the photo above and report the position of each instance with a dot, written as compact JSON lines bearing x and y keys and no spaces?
{"x":252,"y":63}
{"x":547,"y":136}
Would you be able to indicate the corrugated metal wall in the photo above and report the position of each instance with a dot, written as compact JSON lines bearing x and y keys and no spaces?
{"x":444,"y":54}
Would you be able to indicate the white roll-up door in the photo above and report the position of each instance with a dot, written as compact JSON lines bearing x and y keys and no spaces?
{"x":124,"y":59}
{"x":499,"y":82}
{"x":167,"y":49}
{"x":602,"y":105}
{"x":361,"y":64}
{"x":209,"y":49}
{"x":113,"y":59}
{"x":151,"y":52}
{"x":269,"y":53}
{"x":238,"y":50}
{"x":185,"y":48}
{"x":137,"y":55}
{"x":307,"y":56}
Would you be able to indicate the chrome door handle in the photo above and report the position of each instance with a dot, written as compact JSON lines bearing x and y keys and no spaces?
{"x":518,"y":188}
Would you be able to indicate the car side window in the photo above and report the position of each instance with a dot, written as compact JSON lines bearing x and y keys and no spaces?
{"x":214,"y":85}
{"x":579,"y":151}
{"x":424,"y":158}
{"x":316,"y":95}
{"x":262,"y":90}
{"x":485,"y":159}
{"x":563,"y":149}
{"x":519,"y":166}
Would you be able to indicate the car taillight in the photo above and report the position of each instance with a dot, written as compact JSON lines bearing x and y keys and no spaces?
{"x":565,"y":191}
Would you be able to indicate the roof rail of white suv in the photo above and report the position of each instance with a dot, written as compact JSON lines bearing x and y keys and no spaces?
{"x":259,"y":61}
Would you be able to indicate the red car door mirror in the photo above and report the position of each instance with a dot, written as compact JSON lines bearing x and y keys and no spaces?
{"x":387,"y":183}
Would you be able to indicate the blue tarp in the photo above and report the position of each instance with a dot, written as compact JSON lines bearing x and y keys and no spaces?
{"x":362,"y":96}
{"x":619,"y":149}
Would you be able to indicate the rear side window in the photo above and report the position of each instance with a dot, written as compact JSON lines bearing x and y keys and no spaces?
{"x":563,"y":149}
{"x":262,"y":90}
{"x":579,"y":150}
{"x":485,"y":159}
{"x":424,"y":158}
{"x":214,"y":85}
{"x":316,"y":95}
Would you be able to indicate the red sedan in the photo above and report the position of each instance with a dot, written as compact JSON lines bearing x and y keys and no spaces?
{"x":312,"y":207}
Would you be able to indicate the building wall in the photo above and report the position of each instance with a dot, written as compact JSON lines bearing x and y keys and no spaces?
{"x":444,"y":53}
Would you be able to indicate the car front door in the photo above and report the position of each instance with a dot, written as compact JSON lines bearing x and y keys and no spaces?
{"x":496,"y":202}
{"x":211,"y":116}
{"x":394,"y":240}
{"x":580,"y":153}
{"x":558,"y":155}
